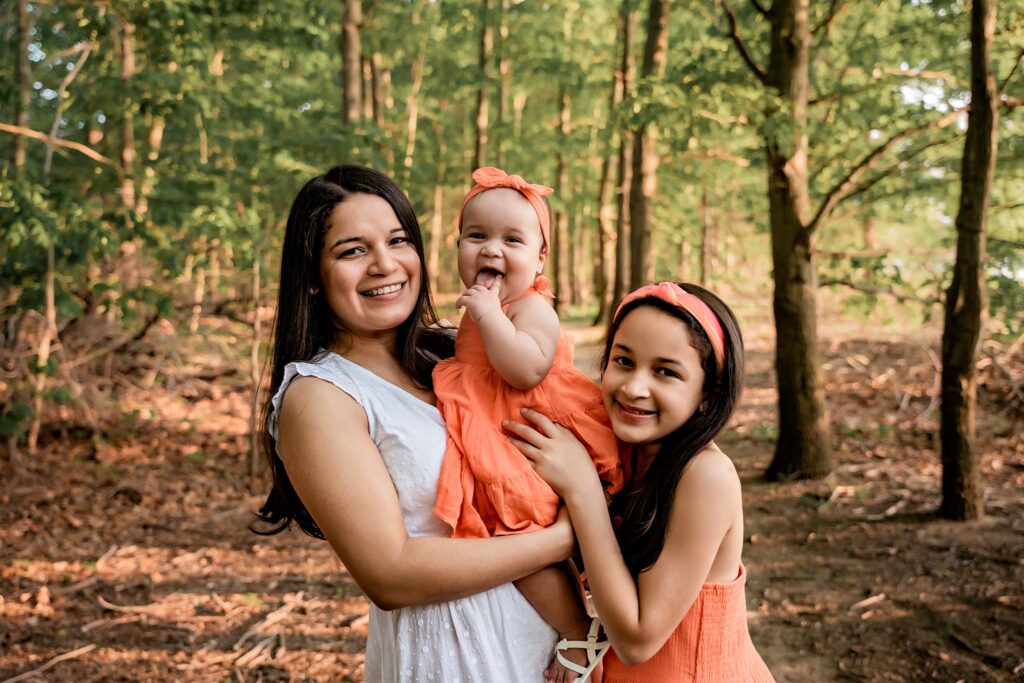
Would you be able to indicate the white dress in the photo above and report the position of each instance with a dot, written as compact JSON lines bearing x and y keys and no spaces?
{"x":495,"y":636}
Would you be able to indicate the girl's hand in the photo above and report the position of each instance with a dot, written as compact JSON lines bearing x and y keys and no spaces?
{"x":555,"y":454}
{"x":480,"y":300}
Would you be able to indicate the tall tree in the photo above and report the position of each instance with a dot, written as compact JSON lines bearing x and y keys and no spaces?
{"x":482,"y":95}
{"x":351,"y":60}
{"x":624,"y":166}
{"x":803,"y":447}
{"x":645,"y":148}
{"x":965,"y":298}
{"x":606,"y":247}
{"x":23,"y":78}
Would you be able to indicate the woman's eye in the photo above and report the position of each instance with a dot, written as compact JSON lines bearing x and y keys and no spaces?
{"x":622,"y":361}
{"x":400,"y":240}
{"x":354,"y":251}
{"x":665,"y":372}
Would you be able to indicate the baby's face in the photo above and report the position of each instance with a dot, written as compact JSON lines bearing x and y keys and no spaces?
{"x":501,"y":243}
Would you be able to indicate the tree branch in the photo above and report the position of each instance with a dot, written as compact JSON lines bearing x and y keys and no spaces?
{"x":1016,"y":65}
{"x":57,"y":142}
{"x":734,"y":33}
{"x":760,"y":8}
{"x":888,"y":290}
{"x":833,"y":10}
{"x":849,"y":183}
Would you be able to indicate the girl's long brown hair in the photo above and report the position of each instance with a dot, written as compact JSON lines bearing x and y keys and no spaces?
{"x":644,"y":505}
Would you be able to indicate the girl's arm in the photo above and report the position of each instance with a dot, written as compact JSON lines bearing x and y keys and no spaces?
{"x":338,"y":473}
{"x":639,"y":616}
{"x":521,"y":346}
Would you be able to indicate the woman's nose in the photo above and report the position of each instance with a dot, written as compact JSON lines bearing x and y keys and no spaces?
{"x":383,"y":262}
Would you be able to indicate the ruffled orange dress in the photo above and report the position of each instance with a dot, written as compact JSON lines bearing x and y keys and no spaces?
{"x":710,"y":645}
{"x":486,"y":486}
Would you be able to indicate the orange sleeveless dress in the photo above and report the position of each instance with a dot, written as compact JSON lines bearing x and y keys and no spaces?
{"x":486,"y":486}
{"x":710,"y":645}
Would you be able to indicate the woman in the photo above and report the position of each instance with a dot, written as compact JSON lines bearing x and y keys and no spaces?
{"x":355,"y":444}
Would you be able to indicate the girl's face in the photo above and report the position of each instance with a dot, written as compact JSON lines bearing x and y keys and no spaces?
{"x":369,"y":270}
{"x":501,"y":238}
{"x":653,"y":382}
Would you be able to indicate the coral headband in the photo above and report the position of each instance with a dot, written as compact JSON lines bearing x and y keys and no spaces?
{"x":488,"y":178}
{"x":675,"y":295}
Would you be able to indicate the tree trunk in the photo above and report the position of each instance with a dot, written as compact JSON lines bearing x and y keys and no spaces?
{"x":24,"y":80}
{"x":705,"y":237}
{"x":367,"y":89}
{"x":504,"y":75}
{"x":558,"y":250}
{"x":436,"y":238}
{"x":154,"y":140}
{"x":127,"y":48}
{"x":645,"y":149}
{"x":254,"y":361}
{"x":620,"y":280}
{"x":965,"y":298}
{"x":412,"y":103}
{"x":377,"y":77}
{"x":482,"y":99}
{"x":49,"y":333}
{"x":803,"y":448}
{"x":351,"y":59}
{"x":606,"y":235}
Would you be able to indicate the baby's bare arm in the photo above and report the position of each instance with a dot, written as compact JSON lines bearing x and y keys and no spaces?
{"x":521,"y":347}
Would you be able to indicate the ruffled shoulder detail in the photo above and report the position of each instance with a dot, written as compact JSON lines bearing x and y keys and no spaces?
{"x":542,"y":286}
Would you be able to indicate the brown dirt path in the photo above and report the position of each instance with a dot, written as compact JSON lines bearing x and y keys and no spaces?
{"x":139,"y":550}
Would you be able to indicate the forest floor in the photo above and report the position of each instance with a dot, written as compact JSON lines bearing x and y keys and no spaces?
{"x":128,"y":558}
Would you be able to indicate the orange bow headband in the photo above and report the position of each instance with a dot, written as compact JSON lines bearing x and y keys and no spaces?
{"x":488,"y":178}
{"x":675,"y":295}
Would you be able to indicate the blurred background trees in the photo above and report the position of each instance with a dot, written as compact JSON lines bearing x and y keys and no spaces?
{"x":151,"y":150}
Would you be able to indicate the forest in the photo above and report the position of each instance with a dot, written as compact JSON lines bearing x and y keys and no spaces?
{"x":843,"y":172}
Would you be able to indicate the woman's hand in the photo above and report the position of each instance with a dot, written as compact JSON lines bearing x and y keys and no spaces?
{"x":555,"y":454}
{"x":480,"y":300}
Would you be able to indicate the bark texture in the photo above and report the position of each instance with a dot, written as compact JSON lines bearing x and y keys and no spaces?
{"x":965,"y":298}
{"x":645,"y":149}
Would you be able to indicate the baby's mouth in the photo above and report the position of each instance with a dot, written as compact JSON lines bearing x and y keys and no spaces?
{"x":487,"y":277}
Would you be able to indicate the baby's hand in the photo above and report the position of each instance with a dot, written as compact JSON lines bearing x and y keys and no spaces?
{"x":480,"y":300}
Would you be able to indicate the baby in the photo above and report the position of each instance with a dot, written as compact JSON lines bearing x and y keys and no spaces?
{"x":510,"y":355}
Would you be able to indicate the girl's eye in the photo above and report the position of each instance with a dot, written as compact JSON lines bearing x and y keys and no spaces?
{"x":622,"y":361}
{"x":473,"y":236}
{"x":665,"y":372}
{"x":514,"y":240}
{"x":399,"y":240}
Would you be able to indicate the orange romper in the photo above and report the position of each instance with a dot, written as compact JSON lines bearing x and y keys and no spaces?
{"x":486,"y":486}
{"x":710,"y":645}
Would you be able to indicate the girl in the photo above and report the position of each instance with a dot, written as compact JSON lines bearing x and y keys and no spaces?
{"x":666,"y":578}
{"x":509,"y":354}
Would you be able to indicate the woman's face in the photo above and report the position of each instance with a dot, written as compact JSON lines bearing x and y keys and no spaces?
{"x":369,"y":270}
{"x":653,"y":382}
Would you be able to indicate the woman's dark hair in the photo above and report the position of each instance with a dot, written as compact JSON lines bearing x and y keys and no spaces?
{"x":305,"y":325}
{"x":644,"y":506}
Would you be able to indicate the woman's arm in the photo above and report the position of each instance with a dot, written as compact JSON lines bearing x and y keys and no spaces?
{"x":338,"y":473}
{"x":638,"y":616}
